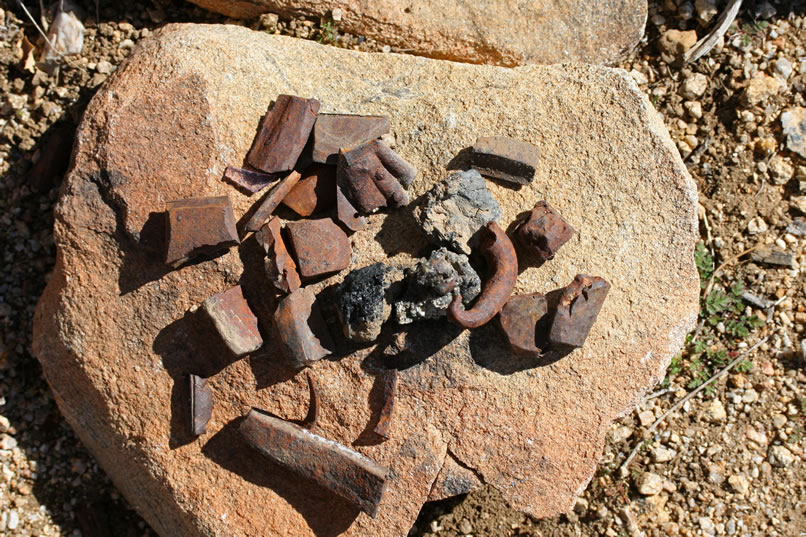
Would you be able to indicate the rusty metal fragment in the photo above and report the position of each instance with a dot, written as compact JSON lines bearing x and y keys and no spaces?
{"x":199,"y":227}
{"x":272,"y":200}
{"x":519,"y":318}
{"x":332,"y":132}
{"x":503,"y":262}
{"x":301,"y":330}
{"x":315,"y":192}
{"x":508,"y":159}
{"x":283,"y":134}
{"x":280,"y":267}
{"x":234,"y":321}
{"x":313,"y":411}
{"x":389,"y":380}
{"x":247,"y":179}
{"x":346,"y":213}
{"x":320,"y":247}
{"x":372,"y":176}
{"x":201,"y":404}
{"x":577,"y":310}
{"x":543,"y":231}
{"x":332,"y":465}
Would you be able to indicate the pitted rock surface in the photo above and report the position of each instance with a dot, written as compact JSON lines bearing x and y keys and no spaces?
{"x":498,"y":32}
{"x":116,"y":335}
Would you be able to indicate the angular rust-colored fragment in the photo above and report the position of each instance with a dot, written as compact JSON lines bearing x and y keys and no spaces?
{"x":332,"y":132}
{"x":280,"y":267}
{"x":543,"y":231}
{"x":334,"y":466}
{"x":579,"y":306}
{"x":272,"y":200}
{"x":373,"y":176}
{"x":199,"y":227}
{"x":315,"y":192}
{"x":313,"y":411}
{"x":347,"y":214}
{"x":283,"y":134}
{"x":519,"y":318}
{"x":508,"y":159}
{"x":389,"y":393}
{"x":201,"y":404}
{"x":248,"y":179}
{"x":503,"y":262}
{"x":234,"y":321}
{"x":301,"y":331}
{"x":320,"y":247}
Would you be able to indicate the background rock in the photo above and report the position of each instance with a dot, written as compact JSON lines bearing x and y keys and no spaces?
{"x":500,"y":32}
{"x":113,"y":333}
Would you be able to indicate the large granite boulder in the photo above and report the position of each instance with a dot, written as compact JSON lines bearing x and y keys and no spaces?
{"x":116,"y":330}
{"x":498,"y":32}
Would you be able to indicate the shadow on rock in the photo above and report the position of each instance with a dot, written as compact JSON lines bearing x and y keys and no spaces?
{"x":144,"y":261}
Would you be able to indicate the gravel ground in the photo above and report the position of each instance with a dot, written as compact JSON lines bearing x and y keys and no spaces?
{"x":728,"y":461}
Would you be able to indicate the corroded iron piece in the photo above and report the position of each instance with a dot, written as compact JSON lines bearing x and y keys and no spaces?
{"x":272,"y":200}
{"x":248,"y":179}
{"x":283,"y":134}
{"x":519,"y":318}
{"x":372,"y":176}
{"x":503,"y":262}
{"x":389,"y":380}
{"x":577,"y":310}
{"x":234,"y":321}
{"x":543,"y":231}
{"x":346,"y":213}
{"x":201,"y":404}
{"x":332,"y":465}
{"x":313,"y":411}
{"x":508,"y":159}
{"x":332,"y":132}
{"x":301,"y":331}
{"x":199,"y":227}
{"x":280,"y":267}
{"x":320,"y":247}
{"x":315,"y":192}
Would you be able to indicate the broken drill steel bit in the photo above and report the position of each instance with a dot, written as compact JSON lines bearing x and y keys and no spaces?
{"x":301,"y":331}
{"x":272,"y":200}
{"x":201,"y":404}
{"x":372,"y":176}
{"x":315,"y":192}
{"x":543,"y":231}
{"x":280,"y":267}
{"x":199,"y":227}
{"x":519,"y":318}
{"x":234,"y":321}
{"x":248,"y":179}
{"x":332,"y":465}
{"x":389,"y":379}
{"x":320,"y":247}
{"x":503,"y":262}
{"x":508,"y":159}
{"x":332,"y":132}
{"x":577,"y":310}
{"x":283,"y":134}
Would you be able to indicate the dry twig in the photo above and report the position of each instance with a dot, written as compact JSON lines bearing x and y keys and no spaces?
{"x":704,"y":45}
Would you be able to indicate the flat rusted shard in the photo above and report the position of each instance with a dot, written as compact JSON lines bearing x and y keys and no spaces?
{"x":346,"y":213}
{"x":249,"y":180}
{"x":315,"y":192}
{"x":301,"y":330}
{"x":283,"y":134}
{"x":543,"y":231}
{"x":505,"y":158}
{"x":235,"y":322}
{"x":332,"y":132}
{"x":372,"y":176}
{"x":280,"y":267}
{"x":332,"y":465}
{"x":319,"y":246}
{"x":201,"y":404}
{"x":577,"y":310}
{"x":389,"y":380}
{"x":519,"y":318}
{"x":199,"y":227}
{"x":272,"y":200}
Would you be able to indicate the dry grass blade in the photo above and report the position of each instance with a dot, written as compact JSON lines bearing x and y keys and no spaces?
{"x":704,"y":45}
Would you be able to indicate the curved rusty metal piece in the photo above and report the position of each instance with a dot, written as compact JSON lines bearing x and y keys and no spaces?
{"x":502,"y":259}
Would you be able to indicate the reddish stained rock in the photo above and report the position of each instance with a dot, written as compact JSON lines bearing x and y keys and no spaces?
{"x":577,"y":310}
{"x":315,"y":192}
{"x":320,"y":247}
{"x":283,"y":134}
{"x":271,"y":201}
{"x":333,"y":132}
{"x":543,"y":231}
{"x":248,"y":179}
{"x":234,"y":321}
{"x":302,"y":334}
{"x":199,"y":227}
{"x":280,"y":267}
{"x":505,"y":158}
{"x":372,"y":176}
{"x":519,"y":318}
